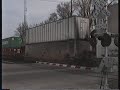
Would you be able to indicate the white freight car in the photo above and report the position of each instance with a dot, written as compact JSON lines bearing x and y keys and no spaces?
{"x":58,"y":30}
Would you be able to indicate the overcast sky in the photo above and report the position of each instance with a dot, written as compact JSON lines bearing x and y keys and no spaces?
{"x":13,"y":12}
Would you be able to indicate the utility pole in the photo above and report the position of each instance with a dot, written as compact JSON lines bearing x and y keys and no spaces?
{"x":75,"y":38}
{"x":25,"y":21}
{"x":25,"y":12}
{"x":71,"y":8}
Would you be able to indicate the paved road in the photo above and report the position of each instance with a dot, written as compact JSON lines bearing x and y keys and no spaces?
{"x":37,"y":76}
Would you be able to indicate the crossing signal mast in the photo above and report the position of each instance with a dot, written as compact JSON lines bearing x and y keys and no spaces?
{"x":100,"y":32}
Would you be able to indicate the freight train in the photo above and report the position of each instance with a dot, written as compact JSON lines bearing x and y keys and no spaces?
{"x":59,"y":41}
{"x":12,"y":48}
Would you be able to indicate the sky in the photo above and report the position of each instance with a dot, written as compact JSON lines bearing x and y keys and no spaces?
{"x":13,"y":13}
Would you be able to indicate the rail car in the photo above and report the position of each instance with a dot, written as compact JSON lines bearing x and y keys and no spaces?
{"x":60,"y":41}
{"x":12,"y":48}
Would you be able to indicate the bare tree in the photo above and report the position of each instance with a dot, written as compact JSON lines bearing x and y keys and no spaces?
{"x":53,"y":17}
{"x":83,"y":8}
{"x":41,"y":23}
{"x":113,"y":1}
{"x":64,"y":10}
{"x":21,"y":32}
{"x":46,"y":21}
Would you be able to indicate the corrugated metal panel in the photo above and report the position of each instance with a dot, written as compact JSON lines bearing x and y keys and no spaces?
{"x":48,"y":32}
{"x":33,"y":32}
{"x":79,"y":25}
{"x":26,"y":37}
{"x":86,"y":27}
{"x":59,"y":30}
{"x":62,"y":29}
{"x":36,"y":35}
{"x":83,"y":21}
{"x":66,"y":29}
{"x":56,"y":36}
{"x":51,"y":31}
{"x":30,"y":36}
{"x":41,"y":34}
{"x":70,"y":22}
{"x":31,"y":40}
{"x":71,"y":28}
{"x":44,"y":34}
{"x":83,"y":27}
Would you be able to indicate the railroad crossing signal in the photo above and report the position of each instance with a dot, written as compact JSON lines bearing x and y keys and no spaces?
{"x":106,"y":40}
{"x":100,"y":7}
{"x":92,"y":34}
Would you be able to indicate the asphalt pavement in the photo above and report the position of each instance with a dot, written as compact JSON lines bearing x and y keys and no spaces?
{"x":38,"y":77}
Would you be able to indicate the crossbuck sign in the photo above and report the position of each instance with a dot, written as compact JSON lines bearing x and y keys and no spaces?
{"x":100,"y":8}
{"x":100,"y":11}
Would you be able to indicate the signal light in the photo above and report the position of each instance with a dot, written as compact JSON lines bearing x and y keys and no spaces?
{"x":104,"y":37}
{"x":100,"y":37}
{"x":106,"y":40}
{"x":92,"y":34}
